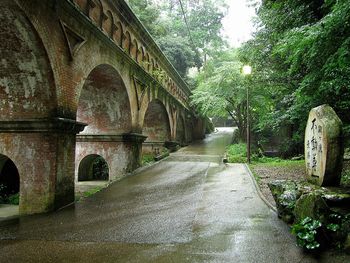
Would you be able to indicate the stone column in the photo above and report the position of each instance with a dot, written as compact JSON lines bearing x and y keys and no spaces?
{"x":198,"y":132}
{"x":43,"y":152}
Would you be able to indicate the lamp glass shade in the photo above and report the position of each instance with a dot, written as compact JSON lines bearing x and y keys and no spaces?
{"x":247,"y":70}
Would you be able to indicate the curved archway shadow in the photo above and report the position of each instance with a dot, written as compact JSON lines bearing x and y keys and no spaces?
{"x":93,"y":168}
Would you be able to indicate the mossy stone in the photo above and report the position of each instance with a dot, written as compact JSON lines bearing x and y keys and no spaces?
{"x":310,"y":205}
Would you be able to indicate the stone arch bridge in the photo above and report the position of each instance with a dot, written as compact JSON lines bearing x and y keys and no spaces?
{"x":80,"y":79}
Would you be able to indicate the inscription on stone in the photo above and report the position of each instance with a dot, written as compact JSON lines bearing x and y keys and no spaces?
{"x":323,"y":146}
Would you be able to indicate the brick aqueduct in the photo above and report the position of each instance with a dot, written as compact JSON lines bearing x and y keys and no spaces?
{"x":79,"y":80}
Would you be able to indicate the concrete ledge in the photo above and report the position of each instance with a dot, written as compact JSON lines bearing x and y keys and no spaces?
{"x":61,"y":125}
{"x":273,"y":208}
{"x":124,"y":137}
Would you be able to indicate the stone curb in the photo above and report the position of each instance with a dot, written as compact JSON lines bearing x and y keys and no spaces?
{"x":272,"y":207}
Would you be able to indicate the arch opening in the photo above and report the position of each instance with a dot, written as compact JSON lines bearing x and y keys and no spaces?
{"x":93,"y":168}
{"x":27,"y":89}
{"x":104,"y":103}
{"x":156,"y":125}
{"x":9,"y":181}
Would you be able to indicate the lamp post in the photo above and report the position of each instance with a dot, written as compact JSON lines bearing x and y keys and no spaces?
{"x":247,"y":70}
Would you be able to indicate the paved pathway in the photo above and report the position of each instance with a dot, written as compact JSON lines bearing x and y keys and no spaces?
{"x":188,"y":208}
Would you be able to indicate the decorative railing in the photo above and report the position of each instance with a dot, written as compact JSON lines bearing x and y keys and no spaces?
{"x":117,"y":21}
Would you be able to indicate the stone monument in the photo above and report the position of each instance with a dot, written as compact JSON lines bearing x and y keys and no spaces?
{"x":324,"y":147}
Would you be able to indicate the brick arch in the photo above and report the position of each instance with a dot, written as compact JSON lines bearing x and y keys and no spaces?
{"x":104,"y":102}
{"x":156,"y":122}
{"x":134,"y":49}
{"x":27,"y":88}
{"x":126,"y":41}
{"x":141,"y":56}
{"x":118,"y":33}
{"x":82,"y":4}
{"x":108,"y":24}
{"x":152,"y":64}
{"x":96,"y":12}
{"x":9,"y":177}
{"x":147,"y":62}
{"x":93,"y":167}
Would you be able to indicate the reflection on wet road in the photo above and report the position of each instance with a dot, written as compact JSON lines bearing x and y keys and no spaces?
{"x":187,"y":208}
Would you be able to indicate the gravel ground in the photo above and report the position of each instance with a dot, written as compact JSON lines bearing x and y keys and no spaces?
{"x":268,"y":173}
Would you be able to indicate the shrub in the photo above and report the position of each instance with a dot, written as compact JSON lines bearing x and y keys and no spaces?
{"x":147,"y":158}
{"x":236,"y":153}
{"x":13,"y":199}
{"x":306,"y":233}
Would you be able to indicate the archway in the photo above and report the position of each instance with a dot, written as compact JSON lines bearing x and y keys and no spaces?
{"x":156,"y":127}
{"x":105,"y":107}
{"x":104,"y":103}
{"x":9,"y":181}
{"x":27,"y":89}
{"x":93,"y":168}
{"x":156,"y":124}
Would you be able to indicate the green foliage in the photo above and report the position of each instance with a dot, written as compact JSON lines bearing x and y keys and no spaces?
{"x":237,"y":153}
{"x":100,"y":169}
{"x":165,"y":21}
{"x":345,"y":177}
{"x":301,"y":59}
{"x":92,"y":191}
{"x":13,"y":199}
{"x":6,"y":198}
{"x":306,"y":233}
{"x":147,"y":158}
{"x":179,"y":52}
{"x":333,"y":227}
{"x":221,"y":90}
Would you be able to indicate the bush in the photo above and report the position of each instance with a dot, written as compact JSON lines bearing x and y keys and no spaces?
{"x":290,"y":147}
{"x":237,"y":153}
{"x":306,"y":233}
{"x":147,"y":158}
{"x":13,"y":199}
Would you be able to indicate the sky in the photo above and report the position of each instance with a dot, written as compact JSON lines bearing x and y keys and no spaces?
{"x":237,"y":24}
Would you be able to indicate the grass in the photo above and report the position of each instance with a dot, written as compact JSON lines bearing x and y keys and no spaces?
{"x":88,"y":193}
{"x":92,"y":191}
{"x":237,"y":153}
{"x":276,"y":162}
{"x":147,"y":158}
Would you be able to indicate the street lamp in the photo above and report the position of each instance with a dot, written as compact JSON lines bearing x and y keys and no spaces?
{"x":247,"y":70}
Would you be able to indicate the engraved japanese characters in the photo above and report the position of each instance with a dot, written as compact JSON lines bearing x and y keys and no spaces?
{"x":323,"y":146}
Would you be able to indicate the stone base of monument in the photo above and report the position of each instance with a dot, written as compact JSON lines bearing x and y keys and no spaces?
{"x":329,"y":205}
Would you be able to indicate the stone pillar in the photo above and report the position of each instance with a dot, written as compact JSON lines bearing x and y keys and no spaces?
{"x":198,"y":132}
{"x":43,"y":152}
{"x":324,"y":147}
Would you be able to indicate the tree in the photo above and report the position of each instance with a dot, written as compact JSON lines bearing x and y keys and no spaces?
{"x":221,"y":91}
{"x":300,"y":55}
{"x":166,"y":23}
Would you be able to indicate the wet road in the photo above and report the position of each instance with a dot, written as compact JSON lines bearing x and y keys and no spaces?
{"x":187,"y":208}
